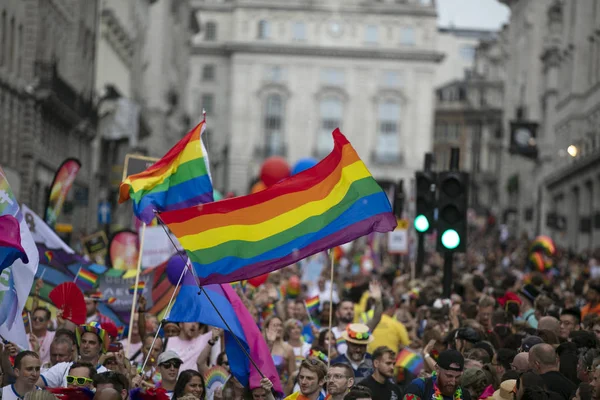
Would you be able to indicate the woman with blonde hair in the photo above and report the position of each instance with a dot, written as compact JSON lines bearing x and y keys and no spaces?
{"x":282,"y":353}
{"x":293,"y":336}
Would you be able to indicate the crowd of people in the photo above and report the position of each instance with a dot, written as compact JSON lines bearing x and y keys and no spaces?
{"x":508,"y":331}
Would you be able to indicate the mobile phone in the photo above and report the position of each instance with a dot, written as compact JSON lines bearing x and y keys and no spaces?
{"x":115,"y":347}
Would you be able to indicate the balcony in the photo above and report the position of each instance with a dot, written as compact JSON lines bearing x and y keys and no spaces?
{"x":378,"y":158}
{"x":265,"y":151}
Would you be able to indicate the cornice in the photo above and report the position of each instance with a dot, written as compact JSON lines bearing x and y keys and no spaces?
{"x":229,"y":48}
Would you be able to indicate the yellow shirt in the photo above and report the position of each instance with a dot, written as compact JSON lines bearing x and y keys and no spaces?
{"x":390,"y":333}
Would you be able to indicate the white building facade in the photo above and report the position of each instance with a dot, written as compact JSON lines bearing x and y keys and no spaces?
{"x":277,"y":77}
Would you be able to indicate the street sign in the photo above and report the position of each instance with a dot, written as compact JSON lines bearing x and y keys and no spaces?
{"x":104,"y":213}
{"x":398,"y":239}
{"x":134,"y":164}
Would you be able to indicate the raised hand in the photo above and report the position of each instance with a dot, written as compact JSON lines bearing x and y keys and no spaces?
{"x":375,"y":290}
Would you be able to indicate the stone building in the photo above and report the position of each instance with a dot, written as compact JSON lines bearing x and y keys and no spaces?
{"x":277,"y":77}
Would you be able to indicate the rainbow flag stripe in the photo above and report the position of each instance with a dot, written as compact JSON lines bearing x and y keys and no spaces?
{"x":180,"y":179}
{"x":312,"y":304}
{"x":88,"y":277}
{"x":332,"y":203}
{"x":140,"y":288}
{"x":410,"y":361}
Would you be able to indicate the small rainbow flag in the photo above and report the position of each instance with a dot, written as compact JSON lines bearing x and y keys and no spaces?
{"x":268,"y":311}
{"x":49,"y":255}
{"x":111,"y":300}
{"x":410,"y":361}
{"x":88,"y":277}
{"x":340,"y":341}
{"x":25,"y":316}
{"x":120,"y":330}
{"x":312,"y":304}
{"x":178,"y":180}
{"x":139,"y":288}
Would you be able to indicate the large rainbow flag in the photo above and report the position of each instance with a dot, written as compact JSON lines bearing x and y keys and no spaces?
{"x":180,"y":179}
{"x":332,"y":203}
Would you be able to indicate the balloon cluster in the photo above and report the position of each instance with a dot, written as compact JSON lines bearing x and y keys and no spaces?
{"x":276,"y":169}
{"x":541,"y":252}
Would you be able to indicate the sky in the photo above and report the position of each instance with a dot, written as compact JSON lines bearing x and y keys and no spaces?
{"x":481,"y":14}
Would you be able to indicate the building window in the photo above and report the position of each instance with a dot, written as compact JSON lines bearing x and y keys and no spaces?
{"x":274,"y":108}
{"x":331,"y":112}
{"x":207,"y":102}
{"x":407,"y":36}
{"x":388,"y":143}
{"x":371,"y":34}
{"x":208,"y":72}
{"x":332,"y":77}
{"x":264,"y":29}
{"x":467,"y":53}
{"x":299,"y":31}
{"x":391,"y":79}
{"x":211,"y":31}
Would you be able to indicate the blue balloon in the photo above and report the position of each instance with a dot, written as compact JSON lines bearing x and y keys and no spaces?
{"x":303,"y":164}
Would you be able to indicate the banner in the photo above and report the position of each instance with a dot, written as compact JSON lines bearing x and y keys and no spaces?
{"x":42,"y":233}
{"x":95,"y":247}
{"x":157,"y":246}
{"x":63,"y":180}
{"x":124,"y":250}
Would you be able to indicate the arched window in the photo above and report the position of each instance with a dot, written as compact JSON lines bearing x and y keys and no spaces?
{"x":264,"y":29}
{"x":331,"y":110}
{"x":274,"y":115}
{"x":388,"y":132}
{"x":211,"y":31}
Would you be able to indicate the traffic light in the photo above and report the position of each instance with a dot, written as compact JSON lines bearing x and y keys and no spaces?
{"x":452,"y":211}
{"x":424,"y":217}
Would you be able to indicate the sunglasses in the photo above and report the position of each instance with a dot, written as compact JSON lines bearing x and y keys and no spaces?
{"x":171,"y":364}
{"x":78,"y":380}
{"x":38,"y":319}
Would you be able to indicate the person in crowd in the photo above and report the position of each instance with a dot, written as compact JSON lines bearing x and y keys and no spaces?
{"x":502,"y":361}
{"x":380,"y":382}
{"x":311,"y":378}
{"x":530,"y":341}
{"x":293,"y":335}
{"x":27,"y":372}
{"x":91,"y":340}
{"x":150,"y":351}
{"x":81,"y":374}
{"x":107,"y":394}
{"x":585,"y":366}
{"x":527,"y":295}
{"x":389,"y":332}
{"x":203,"y":362}
{"x":112,"y":380}
{"x":61,"y":350}
{"x":359,"y":393}
{"x":549,"y":323}
{"x":40,"y":395}
{"x":324,"y":340}
{"x":264,"y":391}
{"x":543,"y":360}
{"x":521,"y":362}
{"x":465,"y":339}
{"x":40,"y":319}
{"x":444,"y":383}
{"x":475,"y":381}
{"x":169,"y":363}
{"x":570,"y":320}
{"x":485,"y":309}
{"x":585,"y":391}
{"x":133,"y":350}
{"x":357,"y":337}
{"x":171,"y":329}
{"x":593,"y":300}
{"x":91,"y":306}
{"x":190,"y":382}
{"x":339,"y":380}
{"x":282,"y":353}
{"x":189,"y":344}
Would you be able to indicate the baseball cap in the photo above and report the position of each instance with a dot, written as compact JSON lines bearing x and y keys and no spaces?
{"x":451,"y":360}
{"x":472,"y":376}
{"x":529,"y":342}
{"x":168,"y":355}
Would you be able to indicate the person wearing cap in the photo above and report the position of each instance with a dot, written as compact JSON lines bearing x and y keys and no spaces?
{"x":92,"y":340}
{"x":380,"y":382}
{"x":593,"y":300}
{"x":444,"y":384}
{"x":529,"y":342}
{"x":527,"y":295}
{"x":465,"y":339}
{"x":475,"y":381}
{"x":506,"y":390}
{"x":570,"y":320}
{"x":357,"y":337}
{"x":169,"y":363}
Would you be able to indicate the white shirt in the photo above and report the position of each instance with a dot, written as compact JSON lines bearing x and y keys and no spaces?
{"x":189,"y":350}
{"x":9,"y":393}
{"x":341,"y":347}
{"x":57,"y":375}
{"x":134,"y":348}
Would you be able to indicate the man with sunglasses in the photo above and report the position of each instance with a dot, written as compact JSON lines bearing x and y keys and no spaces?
{"x":169,"y":363}
{"x":81,"y":374}
{"x":39,"y":323}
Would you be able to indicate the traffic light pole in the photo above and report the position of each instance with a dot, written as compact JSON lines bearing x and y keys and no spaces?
{"x":447,"y":283}
{"x":421,"y":236}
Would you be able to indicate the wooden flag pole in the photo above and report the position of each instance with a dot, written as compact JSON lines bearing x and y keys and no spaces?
{"x":135,"y":292}
{"x":330,"y":310}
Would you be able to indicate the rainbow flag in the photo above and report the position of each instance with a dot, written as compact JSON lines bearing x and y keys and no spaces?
{"x":312,"y":304}
{"x":87,"y":277}
{"x":340,"y":341}
{"x":332,"y":203}
{"x":25,"y":316}
{"x":180,"y":179}
{"x":410,"y":361}
{"x":268,"y":311}
{"x":139,"y":288}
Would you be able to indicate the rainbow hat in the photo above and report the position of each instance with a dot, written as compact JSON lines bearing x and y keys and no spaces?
{"x":96,"y":328}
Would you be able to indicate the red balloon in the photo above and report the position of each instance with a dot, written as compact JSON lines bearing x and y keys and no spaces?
{"x":273,"y":170}
{"x":258,"y":187}
{"x":258,"y":280}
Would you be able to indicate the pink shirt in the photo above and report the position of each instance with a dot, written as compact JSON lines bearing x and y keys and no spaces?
{"x":45,"y":343}
{"x":189,"y":350}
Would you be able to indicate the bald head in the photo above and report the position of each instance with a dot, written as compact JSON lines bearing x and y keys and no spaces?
{"x":543,"y":358}
{"x":107,"y":394}
{"x":521,"y":362}
{"x":549,"y":324}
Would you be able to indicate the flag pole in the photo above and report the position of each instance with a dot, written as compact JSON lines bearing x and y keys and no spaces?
{"x":135,"y":292}
{"x":76,"y":276}
{"x":330,"y":309}
{"x":202,"y":291}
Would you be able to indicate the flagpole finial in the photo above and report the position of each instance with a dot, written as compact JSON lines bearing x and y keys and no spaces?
{"x":204,"y":114}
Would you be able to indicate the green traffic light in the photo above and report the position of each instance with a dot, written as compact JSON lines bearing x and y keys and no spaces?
{"x":450,"y":239}
{"x":421,"y":223}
